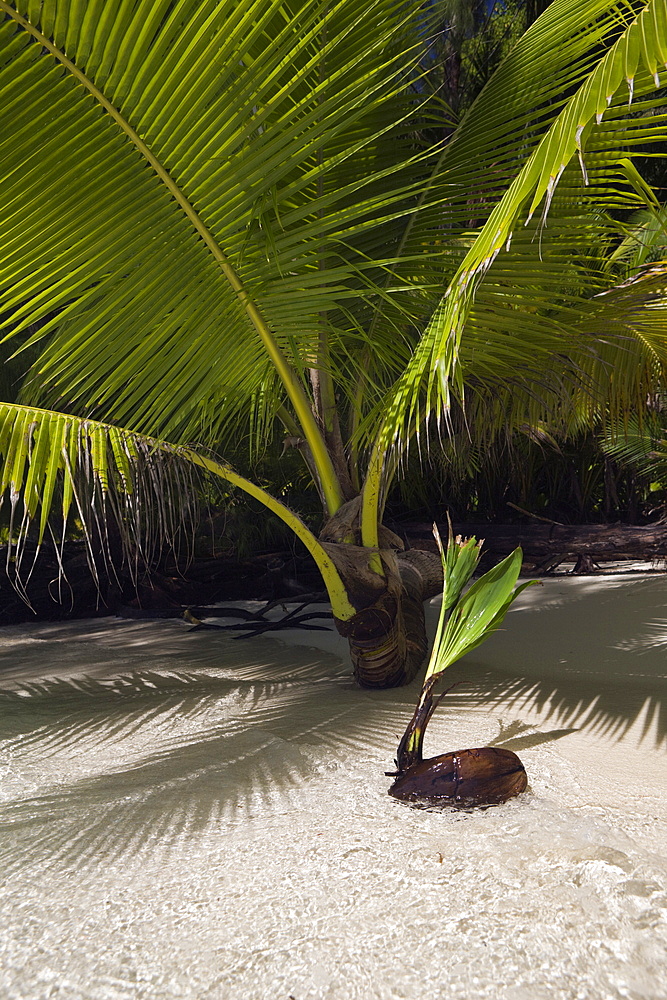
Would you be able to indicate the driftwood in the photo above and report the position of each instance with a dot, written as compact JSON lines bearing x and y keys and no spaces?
{"x":545,"y":546}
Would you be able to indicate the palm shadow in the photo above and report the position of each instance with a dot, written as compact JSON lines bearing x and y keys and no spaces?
{"x":151,"y":758}
{"x":111,"y":767}
{"x":608,"y":713}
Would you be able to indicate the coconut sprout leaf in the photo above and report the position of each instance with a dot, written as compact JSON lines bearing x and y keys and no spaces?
{"x":478,"y":613}
{"x":459,"y":561}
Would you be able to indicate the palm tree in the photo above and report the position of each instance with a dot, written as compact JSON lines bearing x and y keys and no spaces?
{"x":218,"y":218}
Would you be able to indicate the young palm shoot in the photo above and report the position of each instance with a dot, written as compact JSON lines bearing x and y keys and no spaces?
{"x":483,"y":776}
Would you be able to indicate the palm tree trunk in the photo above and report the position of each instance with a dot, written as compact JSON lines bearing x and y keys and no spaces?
{"x":387,"y":635}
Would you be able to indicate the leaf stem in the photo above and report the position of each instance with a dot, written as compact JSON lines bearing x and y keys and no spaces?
{"x":371,"y":505}
{"x":340,"y":603}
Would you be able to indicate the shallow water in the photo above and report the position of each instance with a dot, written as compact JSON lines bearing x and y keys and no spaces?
{"x":187,"y":816}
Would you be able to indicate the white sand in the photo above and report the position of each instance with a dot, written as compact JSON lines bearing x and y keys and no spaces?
{"x":192,"y":817}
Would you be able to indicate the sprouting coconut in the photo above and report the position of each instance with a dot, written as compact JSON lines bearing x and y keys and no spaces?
{"x":483,"y":776}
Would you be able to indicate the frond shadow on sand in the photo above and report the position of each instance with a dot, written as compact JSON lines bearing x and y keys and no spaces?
{"x":109,"y":767}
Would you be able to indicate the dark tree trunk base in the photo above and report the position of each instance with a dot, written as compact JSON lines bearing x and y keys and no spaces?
{"x":387,"y":636}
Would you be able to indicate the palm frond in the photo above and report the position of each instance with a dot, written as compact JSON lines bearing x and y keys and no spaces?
{"x":221,"y":169}
{"x":641,"y":443}
{"x":615,"y":64}
{"x":59,"y":460}
{"x":644,"y":242}
{"x":58,"y":466}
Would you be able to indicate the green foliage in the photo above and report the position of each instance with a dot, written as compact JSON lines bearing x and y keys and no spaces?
{"x":476,"y":614}
{"x":222,"y":216}
{"x":643,"y":444}
{"x":59,"y":460}
{"x":68,"y":476}
{"x":589,"y":476}
{"x":459,"y":563}
{"x":563,"y":164}
{"x":474,"y":37}
{"x":230,"y":145}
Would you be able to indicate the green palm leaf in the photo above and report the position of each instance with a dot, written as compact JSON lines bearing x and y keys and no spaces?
{"x":642,"y":444}
{"x":99,"y":469}
{"x":220,"y":167}
{"x":574,"y":156}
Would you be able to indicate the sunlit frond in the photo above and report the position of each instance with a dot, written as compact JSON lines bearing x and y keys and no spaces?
{"x":58,"y":467}
{"x":94,"y":469}
{"x":187,"y":191}
{"x":574,"y":160}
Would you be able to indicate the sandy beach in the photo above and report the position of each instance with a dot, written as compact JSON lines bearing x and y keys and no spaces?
{"x":186,"y":815}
